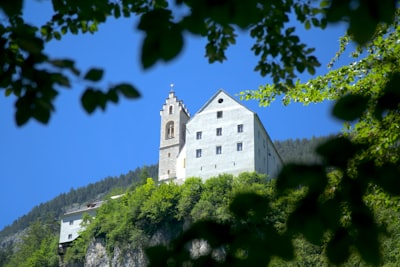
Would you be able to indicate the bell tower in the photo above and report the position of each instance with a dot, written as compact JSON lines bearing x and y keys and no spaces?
{"x":174,"y":117}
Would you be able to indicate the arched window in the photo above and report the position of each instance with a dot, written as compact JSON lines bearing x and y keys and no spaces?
{"x":169,"y":131}
{"x":171,"y":109}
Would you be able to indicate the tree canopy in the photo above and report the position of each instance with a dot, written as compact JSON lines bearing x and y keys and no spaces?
{"x":35,"y":79}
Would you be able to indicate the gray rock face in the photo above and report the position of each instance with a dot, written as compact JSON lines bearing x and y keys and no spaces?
{"x":97,"y":256}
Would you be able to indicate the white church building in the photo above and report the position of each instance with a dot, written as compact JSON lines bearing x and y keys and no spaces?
{"x":222,"y":137}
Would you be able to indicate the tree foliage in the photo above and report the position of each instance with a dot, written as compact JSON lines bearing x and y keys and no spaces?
{"x":38,"y":246}
{"x":35,"y":79}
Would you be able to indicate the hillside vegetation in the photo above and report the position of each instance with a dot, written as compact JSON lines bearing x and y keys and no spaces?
{"x":290,"y":150}
{"x":130,"y":221}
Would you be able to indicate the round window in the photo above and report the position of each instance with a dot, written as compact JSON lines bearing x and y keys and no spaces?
{"x":220,"y":100}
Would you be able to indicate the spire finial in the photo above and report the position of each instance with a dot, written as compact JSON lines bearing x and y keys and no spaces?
{"x":171,"y":87}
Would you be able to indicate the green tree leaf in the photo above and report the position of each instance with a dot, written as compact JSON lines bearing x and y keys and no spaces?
{"x":94,"y":75}
{"x":350,"y":107}
{"x":89,"y":100}
{"x":11,"y":8}
{"x":127,"y":90}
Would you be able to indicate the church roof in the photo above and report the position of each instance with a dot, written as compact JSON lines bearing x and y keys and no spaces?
{"x":216,"y":95}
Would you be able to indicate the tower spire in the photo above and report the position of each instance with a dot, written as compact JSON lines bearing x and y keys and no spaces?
{"x":171,"y":86}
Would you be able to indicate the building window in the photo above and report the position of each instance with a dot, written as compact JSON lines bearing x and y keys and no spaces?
{"x":240,"y":128}
{"x":239,"y":146}
{"x":171,"y":109}
{"x":220,"y":100}
{"x":71,"y":222}
{"x":219,"y":131}
{"x":219,"y":114}
{"x":168,"y":172}
{"x":170,"y":130}
{"x":198,"y":135}
{"x":198,"y":153}
{"x":218,"y":150}
{"x":70,"y":236}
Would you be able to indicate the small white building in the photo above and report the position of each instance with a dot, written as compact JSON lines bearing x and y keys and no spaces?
{"x":71,"y":224}
{"x":222,"y":137}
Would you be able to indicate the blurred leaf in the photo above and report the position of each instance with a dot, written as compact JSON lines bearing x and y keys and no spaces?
{"x":367,"y":240}
{"x":31,"y":44}
{"x":158,"y":256}
{"x":390,"y":100}
{"x":61,"y":79}
{"x":127,"y":90}
{"x":41,"y":113}
{"x":350,"y":107}
{"x":249,"y":206}
{"x":24,"y":112}
{"x":94,"y":75}
{"x":172,"y":43}
{"x":8,"y":92}
{"x":216,"y":234}
{"x":57,"y":35}
{"x":22,"y":116}
{"x":337,"y":151}
{"x":388,"y":177}
{"x":338,"y":248}
{"x":112,"y":96}
{"x":89,"y":101}
{"x":11,"y":7}
{"x":65,"y":63}
{"x":306,"y":219}
{"x":293,"y":176}
{"x":362,"y":25}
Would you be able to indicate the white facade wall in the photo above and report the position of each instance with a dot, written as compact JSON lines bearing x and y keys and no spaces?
{"x":71,"y":224}
{"x":230,"y":160}
{"x":267,"y":158}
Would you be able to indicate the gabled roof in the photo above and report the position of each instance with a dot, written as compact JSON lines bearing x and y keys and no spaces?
{"x":215,"y":96}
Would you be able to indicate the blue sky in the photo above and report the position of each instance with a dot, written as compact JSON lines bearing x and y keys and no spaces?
{"x":38,"y":162}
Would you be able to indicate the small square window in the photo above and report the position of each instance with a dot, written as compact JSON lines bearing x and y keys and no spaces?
{"x":240,"y":128}
{"x":198,"y":135}
{"x":218,"y":150}
{"x":219,"y":131}
{"x":198,"y":153}
{"x":219,"y":114}
{"x":239,"y":146}
{"x":70,"y":236}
